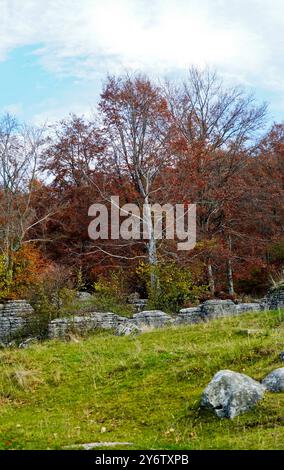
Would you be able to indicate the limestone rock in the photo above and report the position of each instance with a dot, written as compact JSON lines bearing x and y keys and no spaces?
{"x":15,"y":317}
{"x":127,"y":328}
{"x":153,"y":318}
{"x":62,"y":327}
{"x":231,"y":393}
{"x":248,"y":307}
{"x":27,"y":343}
{"x":189,"y":315}
{"x":275,"y":298}
{"x":218,"y":308}
{"x":274,"y":382}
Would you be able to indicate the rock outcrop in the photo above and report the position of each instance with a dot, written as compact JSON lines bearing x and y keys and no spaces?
{"x":274,"y":382}
{"x":152,"y":318}
{"x":189,"y":315}
{"x":62,"y":327}
{"x":230,"y":393}
{"x":275,"y":298}
{"x":217,"y":308}
{"x":15,"y":318}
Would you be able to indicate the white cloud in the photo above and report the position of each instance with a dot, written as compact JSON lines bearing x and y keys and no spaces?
{"x":87,"y":38}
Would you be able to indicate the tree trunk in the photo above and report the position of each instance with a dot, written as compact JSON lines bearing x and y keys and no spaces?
{"x":151,"y":245}
{"x":230,"y":277}
{"x":211,"y":277}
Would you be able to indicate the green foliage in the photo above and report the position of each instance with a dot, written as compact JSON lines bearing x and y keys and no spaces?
{"x":5,"y":282}
{"x":145,"y":389}
{"x":276,"y":251}
{"x":110,"y":294}
{"x":54,"y":296}
{"x":176,"y":286}
{"x":80,"y":281}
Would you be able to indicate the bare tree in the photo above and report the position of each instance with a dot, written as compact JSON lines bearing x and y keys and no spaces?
{"x":218,"y":126}
{"x":20,"y":147}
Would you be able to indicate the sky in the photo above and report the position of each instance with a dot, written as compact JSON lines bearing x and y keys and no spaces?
{"x":56,"y":54}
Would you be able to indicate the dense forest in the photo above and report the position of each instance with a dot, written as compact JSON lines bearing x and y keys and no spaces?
{"x":199,"y":142}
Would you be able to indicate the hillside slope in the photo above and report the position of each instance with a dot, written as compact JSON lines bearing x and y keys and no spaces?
{"x":143,"y":390}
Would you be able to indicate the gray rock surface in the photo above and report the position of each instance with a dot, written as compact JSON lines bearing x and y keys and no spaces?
{"x":274,"y":382}
{"x":275,"y":299}
{"x":28,"y":342}
{"x":138,"y":304}
{"x":127,"y":328}
{"x":231,"y":393}
{"x":15,"y":317}
{"x":217,"y":308}
{"x":248,"y":307}
{"x":62,"y":327}
{"x":153,"y":318}
{"x":93,"y":445}
{"x":189,"y":315}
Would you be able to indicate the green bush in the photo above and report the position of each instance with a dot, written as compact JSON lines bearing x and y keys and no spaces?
{"x":54,"y":296}
{"x":110,"y":294}
{"x":175,"y":286}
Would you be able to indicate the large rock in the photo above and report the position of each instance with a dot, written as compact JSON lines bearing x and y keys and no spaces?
{"x":230,"y":393}
{"x":274,"y":382}
{"x":62,"y":327}
{"x":153,"y":318}
{"x":275,"y":298}
{"x":15,"y":318}
{"x":218,"y":308}
{"x":138,"y":304}
{"x":189,"y":315}
{"x":248,"y":307}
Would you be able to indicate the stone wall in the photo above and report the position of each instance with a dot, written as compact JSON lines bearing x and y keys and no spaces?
{"x":15,"y":317}
{"x":62,"y":327}
{"x":275,"y":299}
{"x":214,"y":309}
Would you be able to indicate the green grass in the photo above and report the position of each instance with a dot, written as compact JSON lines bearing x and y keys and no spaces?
{"x":143,"y":389}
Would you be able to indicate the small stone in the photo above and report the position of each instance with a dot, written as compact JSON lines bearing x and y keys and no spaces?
{"x":281,"y":356}
{"x":93,"y":445}
{"x":274,"y":382}
{"x":127,"y":329}
{"x":82,"y":295}
{"x":27,"y":343}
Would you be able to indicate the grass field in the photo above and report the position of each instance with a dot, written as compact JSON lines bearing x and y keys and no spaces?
{"x":144,"y":390}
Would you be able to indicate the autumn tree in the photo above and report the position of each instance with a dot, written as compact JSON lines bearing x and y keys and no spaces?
{"x":20,"y":148}
{"x":137,"y":128}
{"x":217,"y":127}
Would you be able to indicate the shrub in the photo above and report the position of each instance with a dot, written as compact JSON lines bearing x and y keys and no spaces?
{"x":176,"y":286}
{"x":25,"y":266}
{"x":110,"y":294}
{"x":54,"y":296}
